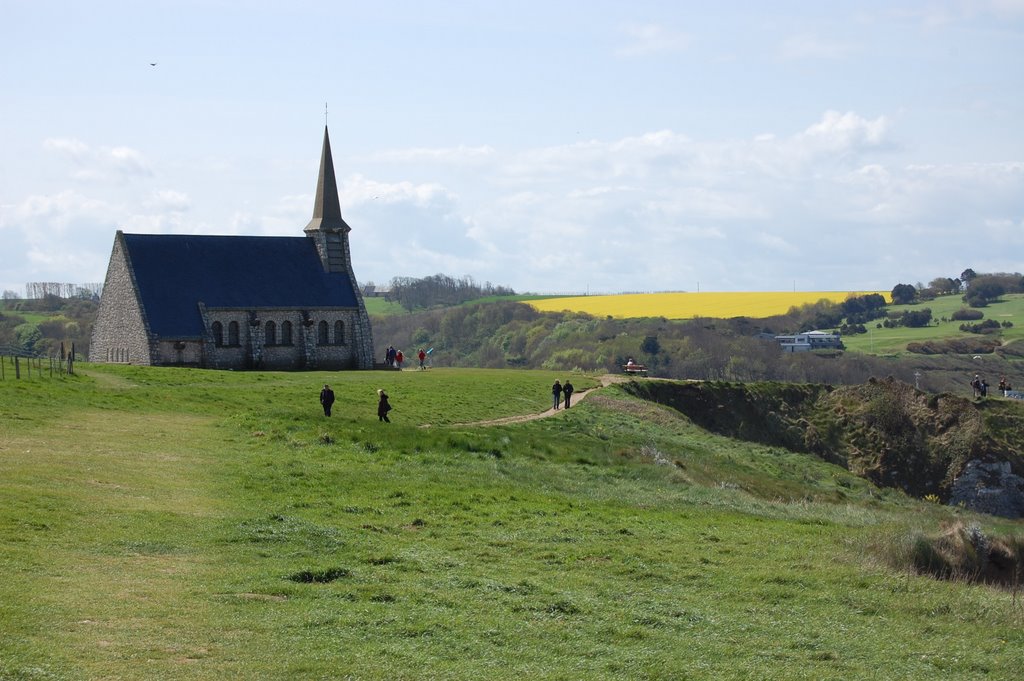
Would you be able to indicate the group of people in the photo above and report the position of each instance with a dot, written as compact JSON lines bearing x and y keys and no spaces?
{"x":980,"y":386}
{"x":558,"y":390}
{"x":395,"y":358}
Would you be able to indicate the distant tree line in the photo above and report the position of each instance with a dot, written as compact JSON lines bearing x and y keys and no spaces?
{"x":978,"y":289}
{"x":440,"y":290}
{"x":35,"y":290}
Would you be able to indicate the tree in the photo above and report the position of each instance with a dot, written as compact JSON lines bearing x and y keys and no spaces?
{"x":27,"y":336}
{"x":943,"y":285}
{"x":967,"y":276}
{"x":916,"y":318}
{"x":984,"y":291}
{"x":650,"y":345}
{"x":903,"y":294}
{"x":10,"y":295}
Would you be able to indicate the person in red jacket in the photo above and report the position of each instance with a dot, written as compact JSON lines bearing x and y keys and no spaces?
{"x":422,"y":356}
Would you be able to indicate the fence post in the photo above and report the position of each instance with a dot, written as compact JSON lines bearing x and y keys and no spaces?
{"x":17,"y":367}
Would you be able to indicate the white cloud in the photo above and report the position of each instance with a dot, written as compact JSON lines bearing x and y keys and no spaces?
{"x":647,"y":39}
{"x":72,"y":147}
{"x":808,"y":46}
{"x":169,"y":200}
{"x":460,"y":154}
{"x":102,"y":163}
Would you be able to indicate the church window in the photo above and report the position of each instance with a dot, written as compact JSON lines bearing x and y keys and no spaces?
{"x":218,"y":334}
{"x":286,"y":333}
{"x":339,"y":332}
{"x":321,"y":336}
{"x":271,"y":334}
{"x":233,"y":334}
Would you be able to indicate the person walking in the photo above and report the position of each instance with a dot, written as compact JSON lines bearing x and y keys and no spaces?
{"x":399,"y":358}
{"x":567,"y":391}
{"x":327,"y":399}
{"x":556,"y":394}
{"x":422,"y":357}
{"x":383,"y":406}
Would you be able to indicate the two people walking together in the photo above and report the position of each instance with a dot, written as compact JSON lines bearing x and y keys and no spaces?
{"x":558,"y":390}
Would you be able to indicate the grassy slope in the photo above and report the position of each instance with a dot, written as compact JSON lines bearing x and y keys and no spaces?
{"x":894,"y":341}
{"x":159,"y":524}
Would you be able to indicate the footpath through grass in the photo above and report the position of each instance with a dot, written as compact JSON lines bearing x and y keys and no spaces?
{"x":177,"y":524}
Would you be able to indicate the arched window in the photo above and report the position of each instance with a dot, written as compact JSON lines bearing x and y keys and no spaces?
{"x":270,"y":335}
{"x":286,"y":333}
{"x":218,"y":334}
{"x":339,"y":332}
{"x":321,"y":336}
{"x":233,"y":334}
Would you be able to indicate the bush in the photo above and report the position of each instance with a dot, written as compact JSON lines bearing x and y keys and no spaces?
{"x":959,"y":551}
{"x":915,"y":318}
{"x":966,"y":314}
{"x":954,"y":346}
{"x":987,"y":326}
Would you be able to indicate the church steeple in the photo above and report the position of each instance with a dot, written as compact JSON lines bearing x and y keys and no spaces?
{"x":327,"y":207}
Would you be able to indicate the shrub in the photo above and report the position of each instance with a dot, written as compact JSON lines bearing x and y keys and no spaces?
{"x":987,"y":326}
{"x":959,"y":551}
{"x":965,"y":314}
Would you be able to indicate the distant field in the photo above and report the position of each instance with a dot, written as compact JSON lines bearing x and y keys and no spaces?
{"x":883,"y":341}
{"x":688,"y":305}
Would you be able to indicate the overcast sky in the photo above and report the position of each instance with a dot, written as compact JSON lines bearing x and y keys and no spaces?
{"x":547,"y":146}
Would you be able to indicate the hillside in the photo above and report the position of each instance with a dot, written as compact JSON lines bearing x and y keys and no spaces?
{"x":885,"y":431}
{"x":509,"y":334}
{"x":185,"y":524}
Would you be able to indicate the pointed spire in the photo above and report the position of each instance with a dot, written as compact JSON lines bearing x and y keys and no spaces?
{"x":327,"y":207}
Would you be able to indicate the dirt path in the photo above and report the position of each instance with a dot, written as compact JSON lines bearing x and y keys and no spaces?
{"x":577,"y":397}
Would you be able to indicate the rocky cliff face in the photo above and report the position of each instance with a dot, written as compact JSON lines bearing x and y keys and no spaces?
{"x":884,"y":430}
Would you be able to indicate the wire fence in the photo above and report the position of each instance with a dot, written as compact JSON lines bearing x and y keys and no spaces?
{"x":16,"y":364}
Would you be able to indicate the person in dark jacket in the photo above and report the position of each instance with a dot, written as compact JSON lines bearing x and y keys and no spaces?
{"x":327,"y":399}
{"x":383,"y":406}
{"x":556,"y":394}
{"x":567,"y":391}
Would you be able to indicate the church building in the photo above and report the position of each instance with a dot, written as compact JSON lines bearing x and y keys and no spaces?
{"x":238,"y":302}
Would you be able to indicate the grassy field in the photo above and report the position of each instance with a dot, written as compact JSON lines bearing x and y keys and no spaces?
{"x":186,"y":524}
{"x":894,"y":341}
{"x":688,"y":305}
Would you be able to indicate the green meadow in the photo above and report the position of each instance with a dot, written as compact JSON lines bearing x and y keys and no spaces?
{"x":882,"y":341}
{"x":188,"y":524}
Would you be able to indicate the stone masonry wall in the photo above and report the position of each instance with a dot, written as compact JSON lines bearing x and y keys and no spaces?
{"x":254,"y":351}
{"x":120,"y":331}
{"x":337,"y":257}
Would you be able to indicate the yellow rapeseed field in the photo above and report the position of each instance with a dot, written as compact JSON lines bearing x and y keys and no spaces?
{"x":688,"y":305}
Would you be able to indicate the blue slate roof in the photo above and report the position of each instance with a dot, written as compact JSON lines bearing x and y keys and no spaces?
{"x":176,"y":272}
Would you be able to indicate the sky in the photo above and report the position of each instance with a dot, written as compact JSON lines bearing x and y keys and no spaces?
{"x":550,"y":147}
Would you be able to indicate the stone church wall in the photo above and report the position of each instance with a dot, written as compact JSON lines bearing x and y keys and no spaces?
{"x":179,"y":353}
{"x":304,"y":349}
{"x":119,"y":333}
